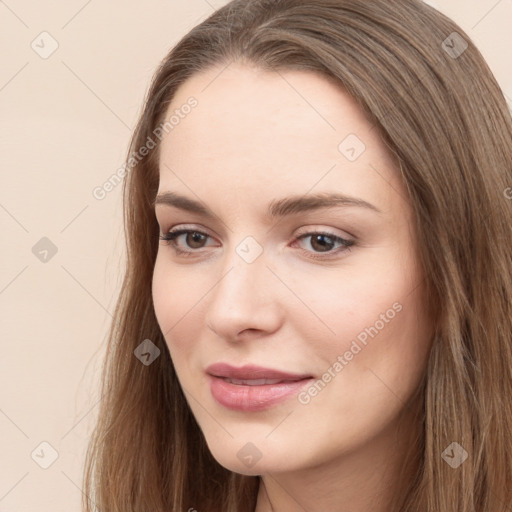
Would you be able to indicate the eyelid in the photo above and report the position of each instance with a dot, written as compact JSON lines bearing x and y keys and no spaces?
{"x":320,"y":228}
{"x":188,"y":227}
{"x":312,"y":229}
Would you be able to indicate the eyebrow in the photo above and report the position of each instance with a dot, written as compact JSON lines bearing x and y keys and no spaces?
{"x":276,"y":208}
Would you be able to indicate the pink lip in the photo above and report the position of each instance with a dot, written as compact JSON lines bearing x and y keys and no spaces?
{"x":250,"y":371}
{"x":244,"y":397}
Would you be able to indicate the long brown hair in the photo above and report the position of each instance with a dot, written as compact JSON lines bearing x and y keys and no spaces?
{"x":440,"y":111}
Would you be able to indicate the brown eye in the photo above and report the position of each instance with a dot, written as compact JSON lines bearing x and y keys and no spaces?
{"x":195,"y":240}
{"x":322,"y":243}
{"x":186,"y":240}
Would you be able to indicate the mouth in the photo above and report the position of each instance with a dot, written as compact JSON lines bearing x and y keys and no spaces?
{"x":252,"y":373}
{"x":252,"y":388}
{"x":254,"y":382}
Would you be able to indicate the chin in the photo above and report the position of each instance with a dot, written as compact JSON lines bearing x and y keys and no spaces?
{"x":232,"y":463}
{"x":249,"y":460}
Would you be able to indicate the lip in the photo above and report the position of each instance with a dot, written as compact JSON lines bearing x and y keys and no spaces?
{"x":242,"y":396}
{"x":250,"y":371}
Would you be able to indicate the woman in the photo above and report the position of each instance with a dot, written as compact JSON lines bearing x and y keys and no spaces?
{"x":317,"y":305}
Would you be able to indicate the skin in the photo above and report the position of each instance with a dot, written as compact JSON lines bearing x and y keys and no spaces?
{"x":254,"y":137}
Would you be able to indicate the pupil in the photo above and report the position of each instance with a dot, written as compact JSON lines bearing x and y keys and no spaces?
{"x":324,"y":246}
{"x":194,"y":240}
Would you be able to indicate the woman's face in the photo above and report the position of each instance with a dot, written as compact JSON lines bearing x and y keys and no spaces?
{"x":301,"y":259}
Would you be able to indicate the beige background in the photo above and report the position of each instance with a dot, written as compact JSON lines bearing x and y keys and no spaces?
{"x":65,"y":124}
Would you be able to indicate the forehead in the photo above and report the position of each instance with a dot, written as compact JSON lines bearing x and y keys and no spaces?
{"x":257,"y":131}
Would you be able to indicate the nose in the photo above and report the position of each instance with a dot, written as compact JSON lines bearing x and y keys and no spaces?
{"x":244,"y":303}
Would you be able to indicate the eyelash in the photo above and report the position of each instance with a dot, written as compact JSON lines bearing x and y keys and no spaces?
{"x":170,"y":239}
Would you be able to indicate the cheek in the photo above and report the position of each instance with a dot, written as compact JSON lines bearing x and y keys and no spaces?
{"x":177,"y":299}
{"x":374,"y":363}
{"x":372,"y":315}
